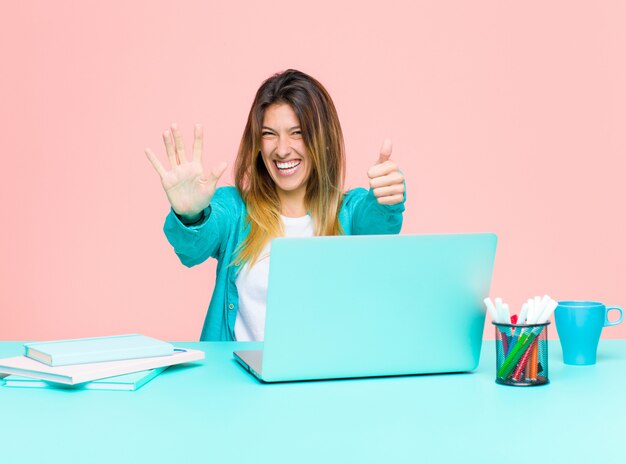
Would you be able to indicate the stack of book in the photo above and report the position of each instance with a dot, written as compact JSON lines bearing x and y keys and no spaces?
{"x":121,"y":362}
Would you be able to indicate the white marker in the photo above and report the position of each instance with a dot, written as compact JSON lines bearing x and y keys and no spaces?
{"x":492,"y":309}
{"x":506,"y":313}
{"x":521,"y":319}
{"x":547,"y":312}
{"x":523,"y":314}
{"x":530,"y":318}
{"x":500,"y":311}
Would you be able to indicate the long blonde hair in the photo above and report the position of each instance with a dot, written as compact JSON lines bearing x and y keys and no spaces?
{"x":323,"y":140}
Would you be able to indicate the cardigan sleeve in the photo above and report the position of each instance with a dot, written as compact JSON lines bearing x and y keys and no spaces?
{"x":370,"y":217}
{"x":195,"y":244}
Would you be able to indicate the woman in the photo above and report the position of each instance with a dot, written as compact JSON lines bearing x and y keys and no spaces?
{"x":289,"y":176}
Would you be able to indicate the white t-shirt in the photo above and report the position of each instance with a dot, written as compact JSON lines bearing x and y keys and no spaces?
{"x":252,"y":284}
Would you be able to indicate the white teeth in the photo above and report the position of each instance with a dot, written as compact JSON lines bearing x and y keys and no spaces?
{"x":287,"y":164}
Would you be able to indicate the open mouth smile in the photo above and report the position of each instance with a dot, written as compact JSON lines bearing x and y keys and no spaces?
{"x":287,"y":168}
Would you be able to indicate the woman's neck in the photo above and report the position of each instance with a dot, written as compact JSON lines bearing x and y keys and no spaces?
{"x":292,"y":204}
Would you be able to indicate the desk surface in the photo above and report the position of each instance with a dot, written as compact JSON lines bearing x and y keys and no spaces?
{"x":214,"y":411}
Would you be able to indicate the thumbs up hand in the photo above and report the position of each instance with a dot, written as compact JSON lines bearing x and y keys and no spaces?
{"x":386,"y":180}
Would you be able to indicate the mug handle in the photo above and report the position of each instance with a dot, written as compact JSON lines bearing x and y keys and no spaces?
{"x":606,"y":317}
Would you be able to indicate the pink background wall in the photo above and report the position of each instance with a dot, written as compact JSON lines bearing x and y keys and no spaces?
{"x":506,"y":117}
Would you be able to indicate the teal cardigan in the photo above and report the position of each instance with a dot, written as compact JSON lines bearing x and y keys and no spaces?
{"x":224,"y":228}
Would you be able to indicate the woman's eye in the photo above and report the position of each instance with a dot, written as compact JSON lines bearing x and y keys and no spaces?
{"x":266,"y":133}
{"x":297,"y":133}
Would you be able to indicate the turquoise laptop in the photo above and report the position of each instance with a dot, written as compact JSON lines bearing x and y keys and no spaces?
{"x":373,"y":305}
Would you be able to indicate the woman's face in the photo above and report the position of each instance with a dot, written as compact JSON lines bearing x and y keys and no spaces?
{"x":283,"y":150}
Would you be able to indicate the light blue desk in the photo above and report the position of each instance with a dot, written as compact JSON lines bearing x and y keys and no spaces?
{"x":216,"y":412}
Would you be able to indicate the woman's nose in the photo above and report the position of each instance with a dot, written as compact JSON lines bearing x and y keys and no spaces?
{"x":283,"y":149}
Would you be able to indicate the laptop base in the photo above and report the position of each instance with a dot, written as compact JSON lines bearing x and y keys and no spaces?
{"x":252,"y":360}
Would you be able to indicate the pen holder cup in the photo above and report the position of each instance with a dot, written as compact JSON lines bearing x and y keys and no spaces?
{"x":522,"y":354}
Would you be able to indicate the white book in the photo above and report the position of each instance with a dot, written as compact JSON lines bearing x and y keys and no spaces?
{"x":79,"y":373}
{"x":129,"y":382}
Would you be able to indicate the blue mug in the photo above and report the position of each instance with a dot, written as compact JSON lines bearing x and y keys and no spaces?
{"x":579,"y":325}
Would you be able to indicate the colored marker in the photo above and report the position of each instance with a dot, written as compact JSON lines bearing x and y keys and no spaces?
{"x":520,"y":367}
{"x":534,"y":360}
{"x":523,"y":342}
{"x":515,"y":335}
